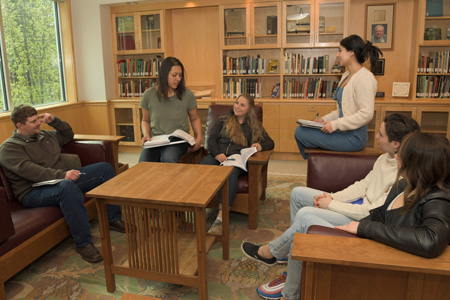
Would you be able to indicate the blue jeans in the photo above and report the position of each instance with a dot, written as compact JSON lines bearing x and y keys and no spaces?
{"x":166,"y":154}
{"x":303,"y":215}
{"x":232,"y":180}
{"x":348,"y":141}
{"x":68,"y":195}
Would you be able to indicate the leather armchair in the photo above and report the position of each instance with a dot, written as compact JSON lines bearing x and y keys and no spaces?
{"x":251,"y":187}
{"x":333,"y":172}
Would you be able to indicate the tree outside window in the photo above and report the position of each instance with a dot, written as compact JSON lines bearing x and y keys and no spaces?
{"x":32,"y":61}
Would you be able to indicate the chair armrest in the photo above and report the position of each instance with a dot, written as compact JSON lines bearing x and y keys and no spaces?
{"x":96,"y":137}
{"x":367,"y":253}
{"x":194,"y":157}
{"x":91,"y":152}
{"x":6,"y":224}
{"x":261,"y":157}
{"x":322,"y":230}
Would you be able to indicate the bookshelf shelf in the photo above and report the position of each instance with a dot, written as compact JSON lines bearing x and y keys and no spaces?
{"x":331,"y":33}
{"x":253,"y":75}
{"x":314,"y":75}
{"x":443,"y":18}
{"x":140,"y":77}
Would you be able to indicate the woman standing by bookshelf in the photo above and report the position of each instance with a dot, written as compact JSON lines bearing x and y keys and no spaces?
{"x":229,"y":134}
{"x":345,"y":129}
{"x":166,"y":108}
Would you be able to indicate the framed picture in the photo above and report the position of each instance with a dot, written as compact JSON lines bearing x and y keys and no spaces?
{"x":379,"y":67}
{"x":380,"y":24}
{"x":400,"y":89}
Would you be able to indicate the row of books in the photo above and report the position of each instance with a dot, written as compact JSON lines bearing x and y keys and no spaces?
{"x":233,"y":87}
{"x":435,"y":62}
{"x":311,"y":88}
{"x":433,"y":87}
{"x":135,"y":88}
{"x":136,"y":67}
{"x":246,"y":65}
{"x":301,"y":64}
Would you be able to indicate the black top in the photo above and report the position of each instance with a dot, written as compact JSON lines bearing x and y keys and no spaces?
{"x":424,"y":230}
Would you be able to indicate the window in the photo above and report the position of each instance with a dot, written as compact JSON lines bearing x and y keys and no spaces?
{"x":31,"y":66}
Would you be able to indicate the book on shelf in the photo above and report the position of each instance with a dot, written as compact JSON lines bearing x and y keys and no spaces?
{"x":233,"y":87}
{"x":138,"y":67}
{"x":273,"y":66}
{"x":337,"y":68}
{"x":434,"y":62}
{"x":311,"y":124}
{"x":47,"y":182}
{"x":275,"y":90}
{"x":240,"y":160}
{"x":233,"y":22}
{"x":433,"y":86}
{"x":244,"y":65}
{"x":309,"y":88}
{"x":126,"y":42}
{"x":177,"y":137}
{"x":435,"y":8}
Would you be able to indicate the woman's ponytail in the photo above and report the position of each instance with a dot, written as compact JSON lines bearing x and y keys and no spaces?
{"x":372,"y":53}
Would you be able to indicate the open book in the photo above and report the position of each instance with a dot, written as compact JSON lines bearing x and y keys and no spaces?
{"x":177,"y":137}
{"x":312,"y":124}
{"x":240,"y":160}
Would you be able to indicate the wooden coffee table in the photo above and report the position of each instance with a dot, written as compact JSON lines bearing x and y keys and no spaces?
{"x":164,"y":210}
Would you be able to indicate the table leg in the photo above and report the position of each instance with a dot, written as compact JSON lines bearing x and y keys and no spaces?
{"x":225,"y":222}
{"x":200,"y":224}
{"x":106,"y":245}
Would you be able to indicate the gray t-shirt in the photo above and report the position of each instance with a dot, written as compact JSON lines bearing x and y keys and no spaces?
{"x":170,"y":114}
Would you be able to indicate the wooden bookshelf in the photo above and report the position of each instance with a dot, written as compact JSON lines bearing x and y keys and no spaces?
{"x":188,"y":31}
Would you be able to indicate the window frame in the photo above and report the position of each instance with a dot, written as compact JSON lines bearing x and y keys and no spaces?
{"x":68,"y":75}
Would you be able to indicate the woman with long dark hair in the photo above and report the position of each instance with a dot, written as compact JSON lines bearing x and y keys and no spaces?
{"x":345,"y":129}
{"x":416,"y":215}
{"x":232,"y":132}
{"x":166,"y":108}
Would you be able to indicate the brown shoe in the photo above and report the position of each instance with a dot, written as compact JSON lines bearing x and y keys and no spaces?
{"x":117,"y":225}
{"x":90,"y":253}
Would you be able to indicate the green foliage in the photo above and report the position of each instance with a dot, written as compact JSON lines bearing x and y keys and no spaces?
{"x":31,"y":50}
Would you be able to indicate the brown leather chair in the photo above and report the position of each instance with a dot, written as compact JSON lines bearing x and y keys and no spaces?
{"x":251,"y":187}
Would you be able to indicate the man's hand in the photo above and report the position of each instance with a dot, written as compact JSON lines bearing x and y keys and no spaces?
{"x":46,"y":118}
{"x":322,"y":201}
{"x":72,"y":175}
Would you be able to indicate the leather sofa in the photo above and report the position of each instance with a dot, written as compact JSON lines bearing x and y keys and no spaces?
{"x":26,"y":234}
{"x":333,"y":172}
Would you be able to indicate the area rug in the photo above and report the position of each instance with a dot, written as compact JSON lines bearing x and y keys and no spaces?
{"x":62,"y":274}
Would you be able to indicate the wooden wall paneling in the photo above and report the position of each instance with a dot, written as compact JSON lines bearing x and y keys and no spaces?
{"x":398,"y":67}
{"x":271,"y":122}
{"x":196,"y":44}
{"x":68,"y":51}
{"x":95,"y":118}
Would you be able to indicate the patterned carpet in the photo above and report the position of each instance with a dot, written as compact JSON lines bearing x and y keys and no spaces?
{"x":62,"y":274}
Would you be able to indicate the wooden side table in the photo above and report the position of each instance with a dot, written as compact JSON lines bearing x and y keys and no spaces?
{"x":164,"y":210}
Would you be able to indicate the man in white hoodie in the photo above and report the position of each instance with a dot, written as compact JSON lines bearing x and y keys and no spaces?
{"x":314,"y":207}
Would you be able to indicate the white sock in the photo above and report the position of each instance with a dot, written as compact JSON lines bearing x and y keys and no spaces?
{"x":219,"y":219}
